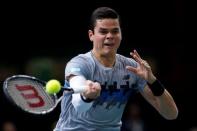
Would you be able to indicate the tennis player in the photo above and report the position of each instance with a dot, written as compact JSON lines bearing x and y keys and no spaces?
{"x":109,"y":79}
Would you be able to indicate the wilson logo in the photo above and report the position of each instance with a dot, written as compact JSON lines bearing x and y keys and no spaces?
{"x":30,"y":94}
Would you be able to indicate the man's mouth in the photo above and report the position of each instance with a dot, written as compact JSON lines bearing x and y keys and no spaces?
{"x":108,"y":44}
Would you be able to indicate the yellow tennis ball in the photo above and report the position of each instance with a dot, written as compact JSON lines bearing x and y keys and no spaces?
{"x":53,"y":86}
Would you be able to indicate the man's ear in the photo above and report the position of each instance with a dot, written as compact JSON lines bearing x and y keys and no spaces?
{"x":91,"y":35}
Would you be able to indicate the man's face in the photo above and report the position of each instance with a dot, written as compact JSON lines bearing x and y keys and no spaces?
{"x":106,"y":37}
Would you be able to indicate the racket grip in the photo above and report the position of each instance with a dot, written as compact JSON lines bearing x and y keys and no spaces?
{"x":79,"y":89}
{"x":68,"y":89}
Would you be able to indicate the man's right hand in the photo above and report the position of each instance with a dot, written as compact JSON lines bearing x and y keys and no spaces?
{"x":93,"y":90}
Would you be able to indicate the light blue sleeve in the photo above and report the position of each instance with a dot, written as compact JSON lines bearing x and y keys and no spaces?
{"x":77,"y":66}
{"x":140,"y":82}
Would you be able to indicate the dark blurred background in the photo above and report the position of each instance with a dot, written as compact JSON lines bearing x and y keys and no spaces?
{"x":39,"y":38}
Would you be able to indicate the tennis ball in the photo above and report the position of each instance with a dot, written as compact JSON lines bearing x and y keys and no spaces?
{"x":53,"y":87}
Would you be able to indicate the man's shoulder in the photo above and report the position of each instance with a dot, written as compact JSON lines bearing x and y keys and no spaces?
{"x":126,"y":60}
{"x":86,"y":57}
{"x":119,"y":56}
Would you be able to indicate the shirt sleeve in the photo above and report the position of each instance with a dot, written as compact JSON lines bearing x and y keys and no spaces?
{"x":140,"y":82}
{"x":77,"y":66}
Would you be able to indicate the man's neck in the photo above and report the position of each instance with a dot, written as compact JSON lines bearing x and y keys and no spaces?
{"x":105,"y":60}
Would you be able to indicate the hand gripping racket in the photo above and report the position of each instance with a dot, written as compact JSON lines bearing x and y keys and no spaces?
{"x":28,"y":93}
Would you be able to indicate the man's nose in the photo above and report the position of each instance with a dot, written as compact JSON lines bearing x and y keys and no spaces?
{"x":109,"y":35}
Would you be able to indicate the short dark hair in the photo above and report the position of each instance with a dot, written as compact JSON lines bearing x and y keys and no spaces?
{"x":102,"y":13}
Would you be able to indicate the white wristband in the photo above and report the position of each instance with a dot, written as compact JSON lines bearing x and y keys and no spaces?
{"x":78,"y":84}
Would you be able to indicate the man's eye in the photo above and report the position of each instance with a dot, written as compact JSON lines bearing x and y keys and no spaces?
{"x":115,"y":31}
{"x":103,"y":31}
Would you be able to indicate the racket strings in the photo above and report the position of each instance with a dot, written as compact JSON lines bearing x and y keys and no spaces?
{"x":15,"y":94}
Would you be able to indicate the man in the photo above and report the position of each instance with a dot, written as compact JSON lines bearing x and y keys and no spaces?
{"x":104,"y":80}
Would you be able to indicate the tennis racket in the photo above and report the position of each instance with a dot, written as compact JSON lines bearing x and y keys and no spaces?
{"x":28,"y":93}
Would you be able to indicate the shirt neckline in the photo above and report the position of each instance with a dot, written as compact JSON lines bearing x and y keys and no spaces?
{"x":101,"y":65}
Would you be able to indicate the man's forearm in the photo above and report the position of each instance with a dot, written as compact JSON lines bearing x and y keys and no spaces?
{"x":167,"y":106}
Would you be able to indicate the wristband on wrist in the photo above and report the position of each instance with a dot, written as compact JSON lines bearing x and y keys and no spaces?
{"x":88,"y":100}
{"x":157,"y":88}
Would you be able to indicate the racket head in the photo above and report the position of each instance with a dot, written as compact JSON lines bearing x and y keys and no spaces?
{"x":28,"y":93}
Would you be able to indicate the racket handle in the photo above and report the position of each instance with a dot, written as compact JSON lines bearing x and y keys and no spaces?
{"x":77,"y":89}
{"x":68,"y":89}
